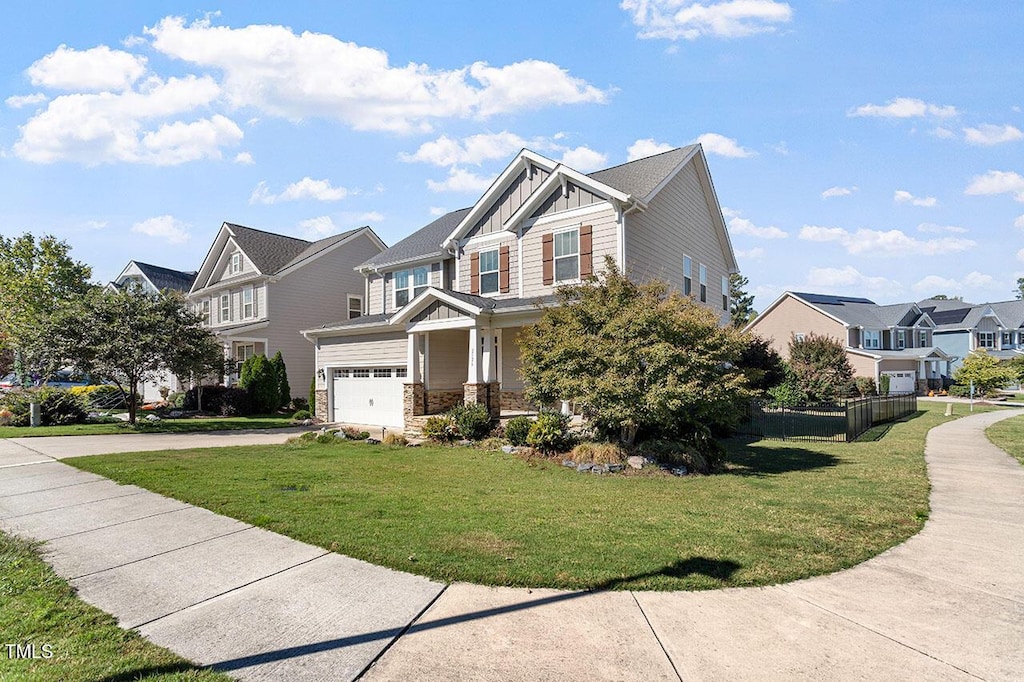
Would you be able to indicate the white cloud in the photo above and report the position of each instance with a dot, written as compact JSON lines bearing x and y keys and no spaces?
{"x":904,"y":197}
{"x":165,"y":227}
{"x":674,"y":19}
{"x":740,"y":225}
{"x":838,"y":192}
{"x":894,"y":243}
{"x":93,"y":70}
{"x":475,"y":149}
{"x":19,"y":101}
{"x":756,"y":253}
{"x":584,"y":159}
{"x":904,"y":107}
{"x":988,"y":134}
{"x":849,"y":279}
{"x":942,"y":133}
{"x":1020,"y":255}
{"x":296,"y":76}
{"x":244,"y":158}
{"x":437,"y":211}
{"x":641,"y":149}
{"x":941,"y":229}
{"x":179,"y":142}
{"x":933,"y":284}
{"x":365,"y":218}
{"x":460,"y":180}
{"x":318,"y":228}
{"x":1019,"y":222}
{"x":721,"y":145}
{"x":306,"y":189}
{"x":997,"y":182}
{"x":95,"y":224}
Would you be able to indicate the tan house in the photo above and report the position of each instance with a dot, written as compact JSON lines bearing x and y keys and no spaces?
{"x":446,"y":303}
{"x":258,"y":290}
{"x":895,"y":340}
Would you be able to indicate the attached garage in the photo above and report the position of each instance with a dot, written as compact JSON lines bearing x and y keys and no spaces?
{"x":369,"y":395}
{"x":902,"y":382}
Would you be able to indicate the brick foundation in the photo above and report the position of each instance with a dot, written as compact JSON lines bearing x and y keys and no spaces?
{"x":320,"y":409}
{"x":487,"y":394}
{"x":515,"y":401}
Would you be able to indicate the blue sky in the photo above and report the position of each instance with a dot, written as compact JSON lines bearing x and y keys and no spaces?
{"x":863,"y":147}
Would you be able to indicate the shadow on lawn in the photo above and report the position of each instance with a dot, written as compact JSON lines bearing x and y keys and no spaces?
{"x":876,"y":433}
{"x":712,"y":568}
{"x":754,"y":460}
{"x":142,"y":673}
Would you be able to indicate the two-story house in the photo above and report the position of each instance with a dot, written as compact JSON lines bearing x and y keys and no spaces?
{"x":961,"y":328}
{"x":895,"y":340}
{"x":446,"y":304}
{"x":258,"y":290}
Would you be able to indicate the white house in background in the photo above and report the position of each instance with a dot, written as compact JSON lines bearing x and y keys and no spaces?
{"x":258,"y":290}
{"x":446,"y":303}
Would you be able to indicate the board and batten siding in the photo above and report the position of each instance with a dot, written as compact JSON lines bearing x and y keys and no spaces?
{"x":793,"y":316}
{"x":677,"y":223}
{"x":509,"y":202}
{"x":574,"y":197}
{"x":605,"y":243}
{"x":448,"y":359}
{"x":509,"y":240}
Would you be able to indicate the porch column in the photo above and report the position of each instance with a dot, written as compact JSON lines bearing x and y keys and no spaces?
{"x":474,"y":373}
{"x":488,"y":356}
{"x":414,"y":357}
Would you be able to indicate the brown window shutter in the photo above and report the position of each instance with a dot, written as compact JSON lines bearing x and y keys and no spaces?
{"x":503,"y":269}
{"x":474,"y":273}
{"x":586,"y":250}
{"x":548,"y":254}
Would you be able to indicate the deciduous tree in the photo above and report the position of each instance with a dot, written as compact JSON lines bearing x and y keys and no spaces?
{"x":820,"y":367}
{"x":987,"y":372}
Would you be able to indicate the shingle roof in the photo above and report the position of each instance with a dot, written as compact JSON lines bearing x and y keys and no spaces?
{"x":1010,"y":312}
{"x":422,"y":243}
{"x":858,"y":312}
{"x":272,"y":253}
{"x":165,"y":278}
{"x":376,"y":318}
{"x":640,"y":177}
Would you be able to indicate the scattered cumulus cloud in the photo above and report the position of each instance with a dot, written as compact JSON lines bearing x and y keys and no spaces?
{"x":19,"y":101}
{"x":244,"y":158}
{"x":647,"y":147}
{"x":461,"y":180}
{"x":756,"y":253}
{"x":437,"y":211}
{"x":740,"y":225}
{"x":306,"y":189}
{"x":997,"y":182}
{"x":318,"y":228}
{"x":849,"y":278}
{"x":94,"y":70}
{"x":584,"y":159}
{"x":721,"y":145}
{"x":942,"y":133}
{"x":675,"y":19}
{"x":1019,"y":222}
{"x":94,"y":224}
{"x":988,"y":134}
{"x":933,"y":284}
{"x":893,"y":243}
{"x":932,"y":228}
{"x":838,"y":192}
{"x":902,"y":196}
{"x":904,"y":107}
{"x":1020,"y":255}
{"x":475,"y":149}
{"x":165,"y":227}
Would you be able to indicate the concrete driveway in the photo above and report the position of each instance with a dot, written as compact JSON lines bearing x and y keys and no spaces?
{"x":946,"y":604}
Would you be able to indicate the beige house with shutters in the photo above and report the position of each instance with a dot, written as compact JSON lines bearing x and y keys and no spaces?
{"x":445,"y":304}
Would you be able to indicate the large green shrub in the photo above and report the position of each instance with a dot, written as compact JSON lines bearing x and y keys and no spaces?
{"x":259,"y":377}
{"x":550,"y":433}
{"x":472,"y":421}
{"x":884,"y":381}
{"x":440,"y":428}
{"x":57,"y":406}
{"x":312,"y":397}
{"x":820,"y":367}
{"x":517,"y":429}
{"x":283,"y":389}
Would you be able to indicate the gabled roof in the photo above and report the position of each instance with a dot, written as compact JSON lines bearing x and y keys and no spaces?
{"x":421,"y":244}
{"x":1010,"y":312}
{"x":861,"y":312}
{"x":162,"y":278}
{"x":641,"y":177}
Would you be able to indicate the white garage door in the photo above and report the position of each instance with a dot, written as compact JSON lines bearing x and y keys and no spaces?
{"x":369,"y":395}
{"x":902,"y":382}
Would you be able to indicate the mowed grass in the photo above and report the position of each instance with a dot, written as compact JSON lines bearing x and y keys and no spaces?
{"x":39,"y":608}
{"x":783,"y":510}
{"x":1009,"y":435}
{"x":189,"y":425}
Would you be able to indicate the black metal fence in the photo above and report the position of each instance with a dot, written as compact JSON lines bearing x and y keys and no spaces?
{"x":840,"y":422}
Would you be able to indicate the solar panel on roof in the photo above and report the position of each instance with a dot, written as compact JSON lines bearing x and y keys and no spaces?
{"x":825,"y":299}
{"x":949,"y":316}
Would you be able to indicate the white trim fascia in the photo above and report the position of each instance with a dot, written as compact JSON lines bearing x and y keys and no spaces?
{"x":381,"y":268}
{"x":347,"y":330}
{"x":322,"y":252}
{"x":233,"y":284}
{"x":515,"y":317}
{"x":239,"y":333}
{"x":499,"y":236}
{"x":458,"y":261}
{"x":557,"y":178}
{"x":620,"y":229}
{"x":520,"y":162}
{"x":223,"y":233}
{"x":519,"y":253}
{"x":414,"y":306}
{"x":435,"y":325}
{"x":672,"y":174}
{"x":572,"y":213}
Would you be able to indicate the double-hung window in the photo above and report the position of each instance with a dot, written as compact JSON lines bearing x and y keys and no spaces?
{"x":567,"y":255}
{"x":872,"y":339}
{"x":410,"y":283}
{"x":489,"y":271}
{"x":703,"y":271}
{"x":725,"y":292}
{"x":901,"y":339}
{"x":687,"y":276}
{"x":1007,"y":339}
{"x":924,"y":339}
{"x":986,"y":340}
{"x":248,"y":303}
{"x":236,"y":263}
{"x":204,"y":310}
{"x":355,"y":307}
{"x":225,"y":307}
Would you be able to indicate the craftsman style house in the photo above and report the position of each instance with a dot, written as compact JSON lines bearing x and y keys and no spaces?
{"x":445,"y":304}
{"x":961,"y":328}
{"x":897,"y":340}
{"x":258,"y":290}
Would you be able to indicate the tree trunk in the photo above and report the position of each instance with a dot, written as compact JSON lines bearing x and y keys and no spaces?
{"x":199,"y":397}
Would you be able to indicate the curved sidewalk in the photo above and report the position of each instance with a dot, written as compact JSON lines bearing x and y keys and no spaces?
{"x":946,"y":604}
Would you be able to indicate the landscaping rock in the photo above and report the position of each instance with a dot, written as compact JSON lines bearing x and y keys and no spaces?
{"x":373,"y":441}
{"x":584,"y":467}
{"x":568,"y":463}
{"x":599,"y":469}
{"x":152,"y":418}
{"x":636,"y":462}
{"x":679,"y":471}
{"x":175,"y":413}
{"x":509,"y":449}
{"x":465,"y":443}
{"x":615,"y":468}
{"x":340,"y":435}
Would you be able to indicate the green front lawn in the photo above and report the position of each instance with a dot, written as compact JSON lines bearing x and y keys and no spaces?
{"x":783,"y":511}
{"x":1009,"y":435}
{"x":39,"y":608}
{"x":190,"y":425}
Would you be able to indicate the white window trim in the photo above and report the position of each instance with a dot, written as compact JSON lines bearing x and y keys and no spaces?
{"x":412,"y":283}
{"x":496,"y":271}
{"x":235,"y":264}
{"x":687,"y":261}
{"x":725,"y":293}
{"x":876,"y":337}
{"x":554,"y":259}
{"x":922,"y":338}
{"x":223,"y":317}
{"x":979,"y":343}
{"x":251,"y":293}
{"x":901,"y":339}
{"x":349,"y":300}
{"x":702,"y":277}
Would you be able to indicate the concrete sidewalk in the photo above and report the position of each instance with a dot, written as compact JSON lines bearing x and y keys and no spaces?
{"x":947,"y":604}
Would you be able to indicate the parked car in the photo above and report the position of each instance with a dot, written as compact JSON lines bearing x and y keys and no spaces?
{"x":61,"y":379}
{"x":8,"y":382}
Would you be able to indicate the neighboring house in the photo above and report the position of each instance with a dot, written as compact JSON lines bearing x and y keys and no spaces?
{"x":257,"y":290}
{"x":155,"y":279}
{"x":446,"y":304}
{"x":895,"y":340}
{"x":961,"y":328}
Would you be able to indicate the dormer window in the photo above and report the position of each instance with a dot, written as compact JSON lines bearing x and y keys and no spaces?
{"x":410,"y":283}
{"x":236,"y":263}
{"x":872,"y":339}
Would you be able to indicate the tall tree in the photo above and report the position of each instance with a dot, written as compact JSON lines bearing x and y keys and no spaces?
{"x":1019,"y":291}
{"x":128,"y":336}
{"x":741,"y":304}
{"x":637,"y":357}
{"x":196,"y":357}
{"x":37,"y":278}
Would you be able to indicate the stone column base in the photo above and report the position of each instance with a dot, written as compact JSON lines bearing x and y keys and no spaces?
{"x":413,"y":401}
{"x":320,"y":409}
{"x":484,"y":394}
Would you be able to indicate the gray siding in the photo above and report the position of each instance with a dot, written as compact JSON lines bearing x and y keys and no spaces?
{"x":677,"y":222}
{"x":435,"y":279}
{"x":987,"y":324}
{"x":437,"y":311}
{"x":557,"y":202}
{"x":509,"y":202}
{"x":513,"y":264}
{"x":366,"y":350}
{"x":605,"y":237}
{"x":375,"y":304}
{"x":448,"y":359}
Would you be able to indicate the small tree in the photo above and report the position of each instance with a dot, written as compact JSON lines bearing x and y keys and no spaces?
{"x":283,"y":389}
{"x":820,"y":367}
{"x":259,"y":378}
{"x":636,"y":357}
{"x":987,"y":372}
{"x":741,"y":304}
{"x":197,"y":356}
{"x":1018,"y":293}
{"x":763,"y":367}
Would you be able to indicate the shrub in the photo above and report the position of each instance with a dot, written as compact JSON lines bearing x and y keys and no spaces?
{"x":517,"y":428}
{"x":866,"y":386}
{"x":297,"y":404}
{"x":820,"y":367}
{"x":235,"y":402}
{"x":301,"y":415}
{"x":395,"y":439}
{"x":57,"y":406}
{"x":284,"y":391}
{"x":472,"y":422}
{"x":440,"y":428}
{"x":786,"y":394}
{"x":100,"y":396}
{"x":326,"y":437}
{"x":883,"y":384}
{"x":549,"y":433}
{"x":176,"y":400}
{"x":355,"y":434}
{"x":259,"y":377}
{"x":312,"y":396}
{"x":598,"y":453}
